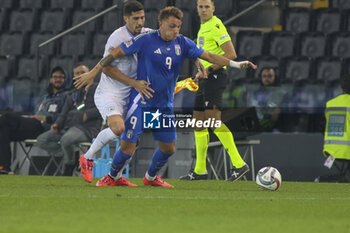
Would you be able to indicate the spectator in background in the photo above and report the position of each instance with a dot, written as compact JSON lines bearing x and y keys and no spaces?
{"x":79,"y":121}
{"x":14,"y":127}
{"x":267,"y":99}
{"x":337,"y":134}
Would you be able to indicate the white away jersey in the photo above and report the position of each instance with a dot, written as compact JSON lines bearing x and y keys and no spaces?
{"x":127,"y":64}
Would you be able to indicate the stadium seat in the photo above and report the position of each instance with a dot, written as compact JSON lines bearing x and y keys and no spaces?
{"x":328,"y":69}
{"x":249,"y":43}
{"x":223,"y":8}
{"x":3,"y":19}
{"x":312,"y":44}
{"x":6,"y":67}
{"x":93,"y":4}
{"x":82,"y":15}
{"x":327,"y":20}
{"x":340,"y":45}
{"x":38,"y":38}
{"x":74,"y":44}
{"x":186,"y":4}
{"x":98,"y":43}
{"x":12,"y":43}
{"x":65,"y":4}
{"x":280,"y":44}
{"x":296,"y":19}
{"x":8,"y":4}
{"x":23,"y":20}
{"x":53,"y":21}
{"x":297,"y":70}
{"x":187,"y":28}
{"x":26,"y":67}
{"x":111,"y":21}
{"x":339,"y":4}
{"x":151,"y":19}
{"x":261,"y":62}
{"x":154,"y":4}
{"x":37,"y":4}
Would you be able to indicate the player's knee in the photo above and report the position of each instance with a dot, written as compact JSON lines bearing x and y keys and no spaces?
{"x":117,"y":129}
{"x":168,"y":150}
{"x":127,"y":148}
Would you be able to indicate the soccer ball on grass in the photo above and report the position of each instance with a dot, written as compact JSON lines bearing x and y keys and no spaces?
{"x":269,"y":178}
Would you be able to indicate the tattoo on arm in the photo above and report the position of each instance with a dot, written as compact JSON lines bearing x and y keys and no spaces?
{"x":106,"y":60}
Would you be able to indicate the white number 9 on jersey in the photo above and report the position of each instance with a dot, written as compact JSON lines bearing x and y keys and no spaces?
{"x":168,"y":62}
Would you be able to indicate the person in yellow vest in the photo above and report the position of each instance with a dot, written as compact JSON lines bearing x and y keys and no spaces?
{"x":213,"y":37}
{"x":337,"y":133}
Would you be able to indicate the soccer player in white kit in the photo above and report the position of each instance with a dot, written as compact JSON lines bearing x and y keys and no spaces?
{"x":112,"y":93}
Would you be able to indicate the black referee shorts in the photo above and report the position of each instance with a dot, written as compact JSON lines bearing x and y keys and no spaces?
{"x":210,"y":91}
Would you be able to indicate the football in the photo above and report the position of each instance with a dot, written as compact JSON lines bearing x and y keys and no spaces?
{"x":269,"y":178}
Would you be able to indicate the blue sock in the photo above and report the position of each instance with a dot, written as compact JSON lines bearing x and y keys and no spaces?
{"x":118,"y":163}
{"x":158,"y":160}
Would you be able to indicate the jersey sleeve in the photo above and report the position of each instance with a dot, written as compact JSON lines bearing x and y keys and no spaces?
{"x":220,"y":34}
{"x":112,"y":42}
{"x":134,"y":45}
{"x":192,"y":50}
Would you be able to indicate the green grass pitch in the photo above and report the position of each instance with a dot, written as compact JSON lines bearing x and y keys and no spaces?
{"x":69,"y":204}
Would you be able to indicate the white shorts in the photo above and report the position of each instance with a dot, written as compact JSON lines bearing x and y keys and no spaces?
{"x":109,"y":102}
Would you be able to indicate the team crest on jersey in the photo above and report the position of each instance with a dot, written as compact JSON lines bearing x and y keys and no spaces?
{"x":128,"y":43}
{"x":177,"y":49}
{"x":129,"y":134}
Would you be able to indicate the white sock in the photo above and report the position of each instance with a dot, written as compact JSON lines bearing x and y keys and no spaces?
{"x":104,"y":137}
{"x":149,"y":178}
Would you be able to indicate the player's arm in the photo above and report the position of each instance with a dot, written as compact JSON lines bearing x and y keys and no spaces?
{"x":229,"y":52}
{"x":87,"y":79}
{"x":224,"y":61}
{"x":140,"y":85}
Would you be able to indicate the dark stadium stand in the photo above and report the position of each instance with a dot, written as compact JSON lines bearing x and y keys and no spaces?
{"x":54,"y":20}
{"x":297,"y":70}
{"x":37,"y":4}
{"x":340,"y":44}
{"x":249,"y":43}
{"x":280,"y":44}
{"x":312,"y":44}
{"x":12,"y":43}
{"x":23,"y":20}
{"x":37,"y":38}
{"x":296,"y":19}
{"x":74,"y":44}
{"x":327,"y":20}
{"x":99,"y":41}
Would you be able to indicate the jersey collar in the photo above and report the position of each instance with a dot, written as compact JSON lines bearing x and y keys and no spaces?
{"x":127,"y":29}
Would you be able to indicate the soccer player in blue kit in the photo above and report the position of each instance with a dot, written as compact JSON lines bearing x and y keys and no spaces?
{"x":160,"y":57}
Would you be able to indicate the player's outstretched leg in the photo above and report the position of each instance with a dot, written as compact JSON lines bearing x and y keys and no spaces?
{"x":86,"y":160}
{"x":114,"y":178}
{"x":107,"y":180}
{"x":156,"y":182}
{"x":159,"y":159}
{"x":86,"y":167}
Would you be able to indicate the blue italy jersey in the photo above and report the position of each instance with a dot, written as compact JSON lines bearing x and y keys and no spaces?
{"x":160,"y":62}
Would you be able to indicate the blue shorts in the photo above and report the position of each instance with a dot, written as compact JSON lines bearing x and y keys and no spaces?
{"x":139,"y":117}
